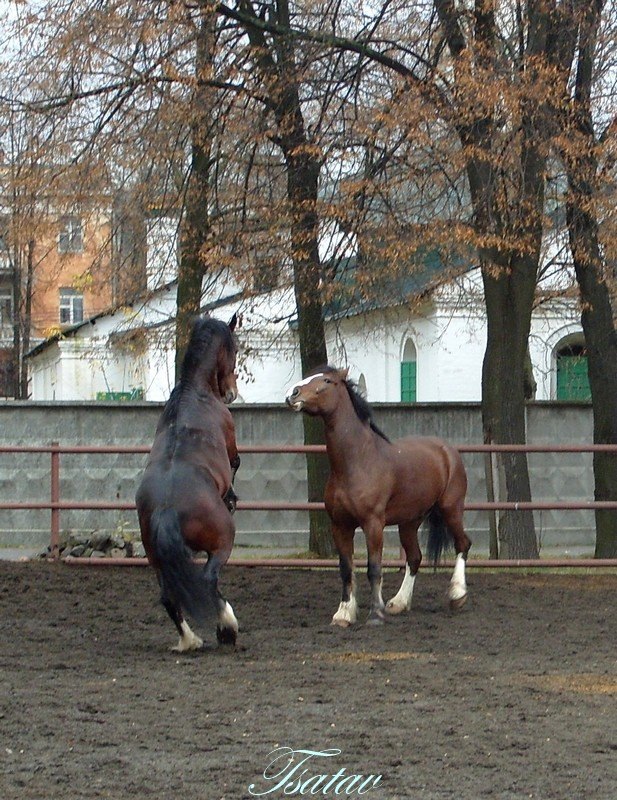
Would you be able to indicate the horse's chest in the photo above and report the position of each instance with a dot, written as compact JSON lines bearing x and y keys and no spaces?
{"x":356,"y":499}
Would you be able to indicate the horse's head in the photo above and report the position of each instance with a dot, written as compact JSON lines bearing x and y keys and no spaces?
{"x":226,"y":380}
{"x":318,"y":393}
{"x":210,"y":358}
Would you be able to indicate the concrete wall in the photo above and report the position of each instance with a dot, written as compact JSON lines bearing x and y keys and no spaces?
{"x":273,"y":477}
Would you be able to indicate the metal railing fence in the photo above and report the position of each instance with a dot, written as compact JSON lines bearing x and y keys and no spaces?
{"x":56,"y":504}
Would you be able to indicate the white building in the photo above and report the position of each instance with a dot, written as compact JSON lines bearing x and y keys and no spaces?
{"x":427,"y":351}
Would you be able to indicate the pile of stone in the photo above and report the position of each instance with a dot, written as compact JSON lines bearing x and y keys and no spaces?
{"x":99,"y":544}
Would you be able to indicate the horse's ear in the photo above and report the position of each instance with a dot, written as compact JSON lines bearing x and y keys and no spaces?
{"x":344,"y":373}
{"x":233,"y":322}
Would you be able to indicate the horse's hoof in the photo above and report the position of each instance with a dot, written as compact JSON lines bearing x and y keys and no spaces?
{"x":188,"y":642}
{"x":376,"y":618}
{"x":457,"y":603}
{"x":226,"y":635}
{"x":393,"y":608}
{"x":340,"y":623}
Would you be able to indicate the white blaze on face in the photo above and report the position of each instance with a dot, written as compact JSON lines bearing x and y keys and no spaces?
{"x":304,"y":382}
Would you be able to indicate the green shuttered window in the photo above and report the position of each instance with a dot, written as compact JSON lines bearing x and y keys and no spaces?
{"x":408,"y":382}
{"x":572,"y":377}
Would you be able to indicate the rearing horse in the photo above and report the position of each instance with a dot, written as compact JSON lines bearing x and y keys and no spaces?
{"x":185,"y":499}
{"x":375,"y":482}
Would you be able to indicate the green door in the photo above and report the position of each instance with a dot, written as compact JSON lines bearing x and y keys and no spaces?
{"x":408,"y":381}
{"x":572,"y":377}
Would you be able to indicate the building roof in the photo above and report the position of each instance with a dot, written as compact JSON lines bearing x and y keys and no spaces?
{"x":362,"y":288}
{"x":72,"y":330}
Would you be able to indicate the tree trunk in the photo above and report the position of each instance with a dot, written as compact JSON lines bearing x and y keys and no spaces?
{"x":195,"y":229}
{"x":503,"y":397}
{"x":601,"y":340}
{"x":277,"y":64}
{"x":302,"y":183}
{"x":580,"y":154}
{"x":17,"y":321}
{"x":507,"y":195}
{"x":26,"y":322}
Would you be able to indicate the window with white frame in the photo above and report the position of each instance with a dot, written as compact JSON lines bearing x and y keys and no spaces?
{"x":70,"y":238}
{"x":6,"y":313}
{"x":71,"y":306}
{"x":5,"y":260}
{"x":409,"y":390}
{"x":572,"y":378}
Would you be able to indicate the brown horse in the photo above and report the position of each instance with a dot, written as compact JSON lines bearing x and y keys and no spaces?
{"x":185,"y":499}
{"x":375,"y":482}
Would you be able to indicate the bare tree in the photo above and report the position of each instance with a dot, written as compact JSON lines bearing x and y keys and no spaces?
{"x":281,"y":73}
{"x":591,"y":193}
{"x":196,"y":229}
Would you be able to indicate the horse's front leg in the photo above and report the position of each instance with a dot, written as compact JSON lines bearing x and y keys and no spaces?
{"x":227,"y":624}
{"x":373,"y":530}
{"x":234,"y":463}
{"x":347,"y":612}
{"x":231,"y":498}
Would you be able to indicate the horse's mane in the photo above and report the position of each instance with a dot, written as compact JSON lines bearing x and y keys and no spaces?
{"x":202,"y":353}
{"x":360,"y":404}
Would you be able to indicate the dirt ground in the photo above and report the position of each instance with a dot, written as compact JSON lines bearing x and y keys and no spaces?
{"x":515,"y":697}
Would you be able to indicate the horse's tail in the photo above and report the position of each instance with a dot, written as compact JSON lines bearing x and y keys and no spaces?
{"x":182,"y":580}
{"x":439,"y":537}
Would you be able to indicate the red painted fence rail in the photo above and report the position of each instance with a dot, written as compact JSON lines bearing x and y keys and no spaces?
{"x":55,"y":504}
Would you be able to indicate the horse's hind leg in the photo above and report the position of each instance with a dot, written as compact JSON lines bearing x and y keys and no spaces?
{"x":453,"y":518}
{"x":188,"y":640}
{"x":347,"y":612}
{"x":408,"y":533}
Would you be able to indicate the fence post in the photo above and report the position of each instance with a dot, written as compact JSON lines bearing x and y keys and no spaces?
{"x":54,"y":544}
{"x":493,"y":537}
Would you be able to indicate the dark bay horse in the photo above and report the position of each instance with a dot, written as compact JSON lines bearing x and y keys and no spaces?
{"x":375,"y":482}
{"x":185,"y":499}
